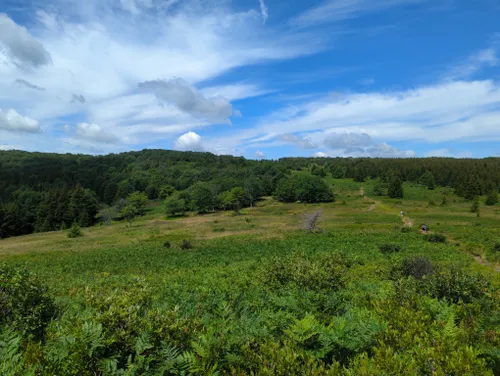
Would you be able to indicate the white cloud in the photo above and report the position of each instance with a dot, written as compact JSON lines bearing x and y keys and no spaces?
{"x":475,"y":63}
{"x":234,"y":92}
{"x":190,"y":141}
{"x":320,"y":154}
{"x":438,"y":153}
{"x":303,"y":143}
{"x":20,"y":46}
{"x":387,"y":151}
{"x":337,"y":10}
{"x":260,"y":155}
{"x":347,"y":140}
{"x":263,"y":10}
{"x":92,"y":132}
{"x":11,"y":120}
{"x":185,"y":97}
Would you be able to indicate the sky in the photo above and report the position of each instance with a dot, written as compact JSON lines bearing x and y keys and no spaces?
{"x":263,"y":79}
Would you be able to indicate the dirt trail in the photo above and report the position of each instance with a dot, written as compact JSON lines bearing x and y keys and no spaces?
{"x":361,"y":191}
{"x":408,"y":221}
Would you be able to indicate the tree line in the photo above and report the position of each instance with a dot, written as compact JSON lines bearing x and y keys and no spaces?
{"x":48,"y":191}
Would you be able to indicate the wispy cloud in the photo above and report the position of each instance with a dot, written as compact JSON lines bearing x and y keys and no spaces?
{"x":330,"y":11}
{"x":263,"y":11}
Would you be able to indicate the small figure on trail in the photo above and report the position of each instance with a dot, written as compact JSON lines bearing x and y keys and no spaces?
{"x":402,"y":213}
{"x":424,"y":228}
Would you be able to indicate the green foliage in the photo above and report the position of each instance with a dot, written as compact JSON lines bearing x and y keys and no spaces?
{"x":395,"y":189}
{"x":24,"y":303}
{"x":457,"y":285}
{"x":436,"y":238}
{"x":475,"y":205}
{"x":174,"y":205}
{"x":428,"y":180}
{"x":304,"y":188}
{"x":202,"y":198}
{"x":300,"y":272}
{"x":74,"y":231}
{"x":186,"y":244}
{"x":496,"y":247}
{"x":416,"y":267}
{"x":389,"y":248}
{"x":167,"y":244}
{"x":138,"y":200}
{"x":492,"y":198}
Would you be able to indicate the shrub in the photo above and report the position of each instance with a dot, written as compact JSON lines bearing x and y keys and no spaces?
{"x":24,"y":302}
{"x":300,"y":272}
{"x":167,"y":244}
{"x":389,"y":248}
{"x":218,"y":229}
{"x":416,"y":267}
{"x":436,"y":238}
{"x":496,"y":247}
{"x":456,"y":285}
{"x":186,"y":244}
{"x":75,"y":231}
{"x":405,"y":229}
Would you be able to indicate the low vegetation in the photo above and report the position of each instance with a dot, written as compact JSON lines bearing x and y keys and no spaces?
{"x":216,"y":275}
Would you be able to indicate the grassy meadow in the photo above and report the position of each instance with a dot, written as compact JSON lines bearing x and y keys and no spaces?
{"x":256,"y":295}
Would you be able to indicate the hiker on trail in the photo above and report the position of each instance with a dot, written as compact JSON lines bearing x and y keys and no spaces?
{"x":424,"y":228}
{"x":402,"y":213}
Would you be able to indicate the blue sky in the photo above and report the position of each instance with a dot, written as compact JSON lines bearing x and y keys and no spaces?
{"x":258,"y":78}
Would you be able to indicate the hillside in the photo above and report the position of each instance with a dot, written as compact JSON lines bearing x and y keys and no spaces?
{"x":221,"y":293}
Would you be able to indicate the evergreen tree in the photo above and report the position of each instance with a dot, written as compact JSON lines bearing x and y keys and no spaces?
{"x":428,"y":180}
{"x":492,"y":198}
{"x":395,"y":189}
{"x":475,"y":205}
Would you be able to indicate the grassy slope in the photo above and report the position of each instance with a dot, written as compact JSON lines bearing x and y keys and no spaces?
{"x":270,"y":229}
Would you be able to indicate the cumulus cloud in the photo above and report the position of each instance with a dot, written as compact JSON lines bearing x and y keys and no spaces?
{"x":320,"y":154}
{"x":303,"y":143}
{"x":20,"y":46}
{"x":260,"y":155}
{"x":29,"y":85}
{"x":92,"y":132}
{"x":11,"y":120}
{"x":347,"y":140}
{"x":185,"y":97}
{"x":387,"y":151}
{"x":190,"y":141}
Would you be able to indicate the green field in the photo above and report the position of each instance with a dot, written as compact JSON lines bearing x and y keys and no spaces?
{"x":256,"y":295}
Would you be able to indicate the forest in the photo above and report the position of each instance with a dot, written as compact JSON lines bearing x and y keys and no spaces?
{"x":46,"y":192}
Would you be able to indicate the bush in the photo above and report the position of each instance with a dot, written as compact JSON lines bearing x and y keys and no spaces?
{"x":186,"y":244}
{"x":389,"y":248}
{"x":167,"y":244}
{"x":405,"y":229}
{"x":416,"y":267}
{"x":496,"y":247}
{"x":436,"y":238}
{"x":301,"y":272}
{"x":75,"y":231}
{"x":456,"y":285}
{"x":24,"y":302}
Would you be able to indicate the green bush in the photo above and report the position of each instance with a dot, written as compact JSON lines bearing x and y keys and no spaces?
{"x":405,"y":229}
{"x":456,"y":285}
{"x":24,"y":302}
{"x":436,"y":238}
{"x":186,"y":244}
{"x":303,"y":273}
{"x":167,"y":244}
{"x":496,"y":247}
{"x":75,"y":231}
{"x":416,"y":267}
{"x":389,"y":248}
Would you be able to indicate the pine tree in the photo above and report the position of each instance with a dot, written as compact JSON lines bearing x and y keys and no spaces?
{"x":395,"y":188}
{"x":492,"y":198}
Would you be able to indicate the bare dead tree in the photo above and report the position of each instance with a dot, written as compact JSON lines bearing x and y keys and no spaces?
{"x":310,"y":221}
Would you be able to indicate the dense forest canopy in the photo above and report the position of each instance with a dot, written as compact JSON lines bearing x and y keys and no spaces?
{"x":47,"y":191}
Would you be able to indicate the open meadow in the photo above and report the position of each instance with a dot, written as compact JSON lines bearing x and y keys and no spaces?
{"x":219,"y":293}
